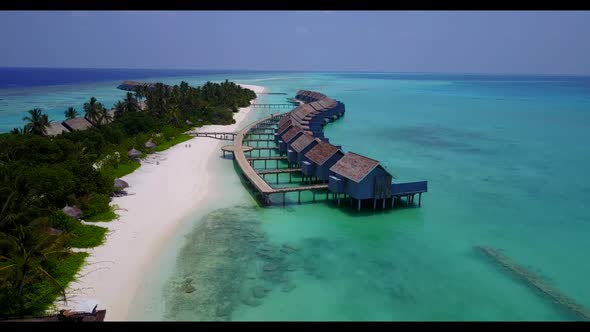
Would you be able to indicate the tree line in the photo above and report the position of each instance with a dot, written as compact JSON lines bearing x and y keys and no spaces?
{"x":39,"y":175}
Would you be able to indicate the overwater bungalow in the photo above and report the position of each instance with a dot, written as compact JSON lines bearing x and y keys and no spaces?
{"x":299,"y":134}
{"x":299,"y":147}
{"x":319,"y":159}
{"x":360,"y":178}
{"x":289,"y":137}
{"x":77,"y":124}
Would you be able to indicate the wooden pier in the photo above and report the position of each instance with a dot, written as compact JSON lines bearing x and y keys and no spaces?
{"x":279,"y":171}
{"x":216,"y":135}
{"x":261,"y":187}
{"x":320,"y":107}
{"x":537,"y":283}
{"x":272,"y":105}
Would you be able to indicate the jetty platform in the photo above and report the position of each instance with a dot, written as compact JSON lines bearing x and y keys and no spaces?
{"x":288,"y":141}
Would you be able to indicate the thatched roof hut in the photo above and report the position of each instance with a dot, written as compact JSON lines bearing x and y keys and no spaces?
{"x":72,"y":211}
{"x":133,"y":153}
{"x":120,"y":184}
{"x":55,"y":128}
{"x":150,"y":144}
{"x":77,"y":124}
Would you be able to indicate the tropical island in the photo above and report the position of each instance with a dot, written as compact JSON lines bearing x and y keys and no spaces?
{"x":58,"y":180}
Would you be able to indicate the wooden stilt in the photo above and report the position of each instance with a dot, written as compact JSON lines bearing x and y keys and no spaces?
{"x":383,"y":204}
{"x":277,"y":178}
{"x":284,"y":196}
{"x":299,"y":197}
{"x":419,"y":199}
{"x":392,"y":201}
{"x":359,"y":204}
{"x":374,"y":203}
{"x":290,"y":176}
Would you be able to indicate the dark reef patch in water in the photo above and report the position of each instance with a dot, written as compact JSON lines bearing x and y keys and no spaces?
{"x":463,"y":141}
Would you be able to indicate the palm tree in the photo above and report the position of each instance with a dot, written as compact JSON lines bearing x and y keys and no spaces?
{"x":19,"y":205}
{"x":94,"y":111}
{"x":27,"y":259}
{"x":140,"y":92}
{"x":103,"y":117}
{"x":38,"y":121}
{"x":174,"y":115}
{"x":157,"y":99}
{"x":71,"y":113}
{"x":119,"y":109}
{"x":130,"y":103}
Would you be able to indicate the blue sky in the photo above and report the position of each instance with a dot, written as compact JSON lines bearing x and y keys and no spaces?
{"x":520,"y":42}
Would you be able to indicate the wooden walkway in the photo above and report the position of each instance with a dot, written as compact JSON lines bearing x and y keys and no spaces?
{"x":254,"y":178}
{"x":268,"y":158}
{"x":536,"y":282}
{"x":278,"y":171}
{"x":217,"y":135}
{"x":257,"y":140}
{"x":273,"y":105}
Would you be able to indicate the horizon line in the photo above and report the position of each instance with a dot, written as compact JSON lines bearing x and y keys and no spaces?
{"x":302,"y":71}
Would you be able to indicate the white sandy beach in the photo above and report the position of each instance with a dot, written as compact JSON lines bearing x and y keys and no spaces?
{"x":163,"y":195}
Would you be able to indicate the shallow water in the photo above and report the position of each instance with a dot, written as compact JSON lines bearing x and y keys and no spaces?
{"x":505,"y":158}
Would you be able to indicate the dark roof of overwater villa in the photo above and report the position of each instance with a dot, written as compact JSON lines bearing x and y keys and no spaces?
{"x":302,"y":142}
{"x":354,"y":166}
{"x":288,"y":136}
{"x":286,"y":118}
{"x":303,"y":111}
{"x":320,"y":153}
{"x":285,"y":126}
{"x":77,"y":124}
{"x":328,"y":102}
{"x":317,"y":106}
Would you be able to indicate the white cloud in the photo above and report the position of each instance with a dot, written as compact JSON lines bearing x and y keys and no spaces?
{"x":301,"y":30}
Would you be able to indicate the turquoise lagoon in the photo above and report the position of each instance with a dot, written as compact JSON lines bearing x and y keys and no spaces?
{"x":505,"y":158}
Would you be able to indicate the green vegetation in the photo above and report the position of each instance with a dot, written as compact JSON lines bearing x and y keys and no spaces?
{"x":173,"y":141}
{"x":126,"y":168}
{"x":42,"y":294}
{"x":71,"y":113}
{"x":87,"y":236}
{"x":40,"y":175}
{"x":103,"y":216}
